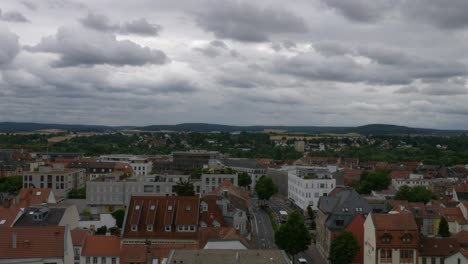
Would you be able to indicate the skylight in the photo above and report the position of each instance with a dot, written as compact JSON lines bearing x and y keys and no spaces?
{"x":137,"y":207}
{"x":152,"y":207}
{"x":3,"y":221}
{"x":38,"y":193}
{"x":169,"y":208}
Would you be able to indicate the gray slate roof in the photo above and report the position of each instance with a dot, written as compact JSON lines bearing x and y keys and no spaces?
{"x":52,"y":218}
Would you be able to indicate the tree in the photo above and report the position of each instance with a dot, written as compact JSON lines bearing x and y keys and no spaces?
{"x":444,"y":228}
{"x":196,"y":173}
{"x":184,"y":188}
{"x":11,"y":184}
{"x":311,"y":215}
{"x":265,"y":188}
{"x":102,"y":230}
{"x":414,"y":194}
{"x":373,"y":181}
{"x":119,"y":216}
{"x":293,"y":236}
{"x":344,"y":248}
{"x":77,"y":193}
{"x":244,"y":179}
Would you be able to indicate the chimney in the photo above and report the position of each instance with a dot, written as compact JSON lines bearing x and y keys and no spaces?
{"x":13,"y":240}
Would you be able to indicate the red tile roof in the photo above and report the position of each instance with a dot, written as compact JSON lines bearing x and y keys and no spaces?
{"x":394,"y":222}
{"x":78,"y":236}
{"x":33,"y":196}
{"x":103,"y":246}
{"x":211,"y":216}
{"x":397,"y":174}
{"x":462,"y":187}
{"x":8,"y":215}
{"x":462,"y":238}
{"x":454,"y":214}
{"x":32,"y":242}
{"x":228,"y":186}
{"x":395,"y":226}
{"x":438,"y":246}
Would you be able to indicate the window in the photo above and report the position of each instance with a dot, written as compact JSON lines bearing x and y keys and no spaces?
{"x":433,"y":260}
{"x":134,"y":227}
{"x":103,"y":260}
{"x":316,"y":195}
{"x":167,"y":228}
{"x":42,"y":177}
{"x":386,"y":238}
{"x":88,"y":260}
{"x":114,"y":261}
{"x":322,"y":185}
{"x":386,"y":256}
{"x":424,"y":261}
{"x":406,"y":238}
{"x":406,"y":256}
{"x":94,"y":260}
{"x":149,"y":228}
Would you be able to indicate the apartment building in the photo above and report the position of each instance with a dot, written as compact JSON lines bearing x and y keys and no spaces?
{"x":209,"y":182}
{"x":250,"y":166}
{"x":306,"y":185}
{"x":101,"y":250}
{"x":106,"y":195}
{"x":141,"y":165}
{"x":194,"y":159}
{"x":59,"y":179}
{"x":391,"y":238}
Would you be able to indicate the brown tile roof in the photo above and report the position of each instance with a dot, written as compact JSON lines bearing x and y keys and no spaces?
{"x":454,"y":214}
{"x":397,"y":174}
{"x":438,"y":246}
{"x":33,"y":196}
{"x":8,"y":215}
{"x":170,"y":210}
{"x":394,"y":222}
{"x":104,"y":246}
{"x":32,"y":242}
{"x":211,"y":216}
{"x":463,"y":188}
{"x":78,"y":236}
{"x":462,"y":238}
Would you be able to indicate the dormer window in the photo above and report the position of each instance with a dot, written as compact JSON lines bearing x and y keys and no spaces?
{"x":152,"y":207}
{"x":169,"y":208}
{"x":134,"y":227}
{"x":149,"y":228}
{"x":386,"y":238}
{"x":137,"y":207}
{"x":167,"y":228}
{"x":406,"y":238}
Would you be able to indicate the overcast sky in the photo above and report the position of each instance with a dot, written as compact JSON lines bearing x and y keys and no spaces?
{"x":296,"y":62}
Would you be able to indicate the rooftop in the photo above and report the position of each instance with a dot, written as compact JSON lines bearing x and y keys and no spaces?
{"x":108,"y":246}
{"x":49,"y":216}
{"x":437,"y":246}
{"x":398,"y":222}
{"x":226,"y":256}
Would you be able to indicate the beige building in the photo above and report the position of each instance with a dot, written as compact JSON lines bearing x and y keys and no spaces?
{"x":60,"y":180}
{"x":299,"y":146}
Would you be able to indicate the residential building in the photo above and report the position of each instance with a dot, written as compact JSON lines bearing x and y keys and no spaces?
{"x":307,"y":185}
{"x":60,"y":180}
{"x":390,"y":238}
{"x":194,"y":159}
{"x":78,"y":238}
{"x":343,"y":209}
{"x":250,"y":166}
{"x":101,"y":169}
{"x":412,"y":180}
{"x":35,"y":196}
{"x":168,"y":220}
{"x":299,"y":146}
{"x":211,"y":181}
{"x":50,"y":215}
{"x":31,"y":245}
{"x":460,"y":192}
{"x":106,"y":195}
{"x":436,"y":250}
{"x":101,"y":250}
{"x":457,"y":220}
{"x":228,"y":256}
{"x":427,"y":216}
{"x":141,"y":165}
{"x":460,"y":257}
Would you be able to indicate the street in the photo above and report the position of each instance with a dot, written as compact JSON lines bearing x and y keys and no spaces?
{"x":264,"y":234}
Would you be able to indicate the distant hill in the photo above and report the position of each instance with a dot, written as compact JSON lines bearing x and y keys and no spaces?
{"x":30,"y":127}
{"x":372,"y":129}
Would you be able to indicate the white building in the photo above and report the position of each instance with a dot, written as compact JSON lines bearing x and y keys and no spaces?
{"x":307,"y":184}
{"x":140,"y":164}
{"x":412,"y":181}
{"x":209,"y":182}
{"x":60,"y":180}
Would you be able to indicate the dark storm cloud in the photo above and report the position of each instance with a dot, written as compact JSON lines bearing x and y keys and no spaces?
{"x":445,"y":88}
{"x":443,"y":14}
{"x":247,"y":23}
{"x":331,"y":48}
{"x":176,"y":86}
{"x":13,"y":16}
{"x":208,"y":51}
{"x":77,"y":47}
{"x":214,"y":49}
{"x":98,"y":22}
{"x":137,"y":27}
{"x":218,"y":43}
{"x":361,"y":10}
{"x":9,"y":46}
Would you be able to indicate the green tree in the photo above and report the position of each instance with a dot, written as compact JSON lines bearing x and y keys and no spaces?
{"x":414,"y":194}
{"x":373,"y":181}
{"x":184,"y":188}
{"x":293,"y":236}
{"x":102,"y":230}
{"x":244,"y":179}
{"x":265,"y":188}
{"x":196,"y":173}
{"x":444,"y":228}
{"x":344,"y":248}
{"x":119,"y":216}
{"x":11,"y":184}
{"x":77,"y":193}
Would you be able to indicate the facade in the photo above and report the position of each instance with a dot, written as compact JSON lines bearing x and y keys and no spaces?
{"x":106,"y":196}
{"x":343,"y":209}
{"x":390,"y":238}
{"x":141,"y":165}
{"x":195,"y":159}
{"x":299,"y":146}
{"x":61,"y":181}
{"x":210,"y":182}
{"x":78,"y":238}
{"x":412,"y":181}
{"x":249,"y":166}
{"x":306,"y":186}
